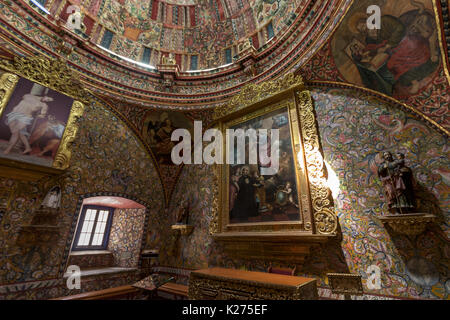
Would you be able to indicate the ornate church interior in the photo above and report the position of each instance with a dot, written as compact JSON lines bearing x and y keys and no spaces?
{"x":224,"y":150}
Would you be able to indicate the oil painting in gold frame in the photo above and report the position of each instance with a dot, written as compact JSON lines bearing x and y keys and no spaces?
{"x":304,"y":214}
{"x":40,"y":102}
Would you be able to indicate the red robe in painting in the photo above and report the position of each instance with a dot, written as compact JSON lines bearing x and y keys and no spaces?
{"x":411,"y":52}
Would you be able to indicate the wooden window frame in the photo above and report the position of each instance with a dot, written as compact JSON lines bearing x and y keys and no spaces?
{"x":106,"y":233}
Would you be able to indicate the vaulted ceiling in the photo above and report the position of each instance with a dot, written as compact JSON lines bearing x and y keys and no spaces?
{"x":204,"y":28}
{"x":119,"y":53}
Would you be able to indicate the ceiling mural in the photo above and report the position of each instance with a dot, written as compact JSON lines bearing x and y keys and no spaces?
{"x":324,"y":43}
{"x":399,"y":59}
{"x":203,"y":27}
{"x":404,"y":62}
{"x":108,"y":73}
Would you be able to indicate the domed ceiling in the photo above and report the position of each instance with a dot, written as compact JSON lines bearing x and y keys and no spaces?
{"x":121,"y":48}
{"x":204,"y":29}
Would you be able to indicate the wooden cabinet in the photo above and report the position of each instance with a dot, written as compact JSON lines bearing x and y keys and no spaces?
{"x":231,"y":284}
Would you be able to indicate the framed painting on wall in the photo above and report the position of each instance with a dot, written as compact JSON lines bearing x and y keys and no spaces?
{"x":33,"y":122}
{"x":254,"y":197}
{"x":273,"y":197}
{"x":38,"y":113}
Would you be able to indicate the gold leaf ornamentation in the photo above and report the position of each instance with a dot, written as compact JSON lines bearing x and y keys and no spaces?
{"x":325,"y":219}
{"x":8,"y":82}
{"x":214,"y":226}
{"x":253,"y":93}
{"x":62,"y":159}
{"x":51,"y":73}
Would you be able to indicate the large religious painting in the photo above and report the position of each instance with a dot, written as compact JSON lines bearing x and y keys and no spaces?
{"x":33,"y":122}
{"x":273,"y":199}
{"x":254,"y":197}
{"x":400,"y":58}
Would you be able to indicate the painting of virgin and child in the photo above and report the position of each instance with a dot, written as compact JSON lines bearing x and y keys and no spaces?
{"x":254,"y":197}
{"x":33,"y":122}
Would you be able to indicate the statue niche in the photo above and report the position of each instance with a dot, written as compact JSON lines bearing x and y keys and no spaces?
{"x":182,"y":219}
{"x":183,"y":213}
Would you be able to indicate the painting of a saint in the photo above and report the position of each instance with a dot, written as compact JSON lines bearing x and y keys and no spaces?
{"x":397,"y":59}
{"x":254,"y":197}
{"x":157,"y":130}
{"x":33,"y":123}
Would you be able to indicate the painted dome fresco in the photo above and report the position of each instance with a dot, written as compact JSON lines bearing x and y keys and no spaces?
{"x":120,"y":47}
{"x":201,"y":34}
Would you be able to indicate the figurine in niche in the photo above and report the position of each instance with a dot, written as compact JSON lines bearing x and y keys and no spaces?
{"x":170,"y":59}
{"x":75,"y":22}
{"x":397,"y":183}
{"x":183,"y":213}
{"x":53,"y":198}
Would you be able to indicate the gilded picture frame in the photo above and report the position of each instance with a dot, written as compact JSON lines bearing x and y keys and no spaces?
{"x":317,"y":221}
{"x":46,"y":135}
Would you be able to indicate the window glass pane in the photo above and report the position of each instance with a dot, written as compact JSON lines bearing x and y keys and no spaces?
{"x":90,"y":215}
{"x":101,"y":215}
{"x":194,"y":62}
{"x":98,"y":238}
{"x":107,"y":39}
{"x":100,"y":227}
{"x":84,"y":238}
{"x":87,"y":226}
{"x":94,"y":240}
{"x":90,"y":226}
{"x":270,"y":32}
{"x":146,"y":55}
{"x":228,"y":58}
{"x":105,"y":216}
{"x":88,"y":235}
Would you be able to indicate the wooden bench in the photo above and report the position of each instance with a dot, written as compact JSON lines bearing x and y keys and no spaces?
{"x":178,"y":291}
{"x":106,"y":294}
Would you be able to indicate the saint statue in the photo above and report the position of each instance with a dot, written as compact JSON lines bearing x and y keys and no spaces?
{"x":183,"y":212}
{"x":170,"y":59}
{"x":397,"y":181}
{"x":53,"y":198}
